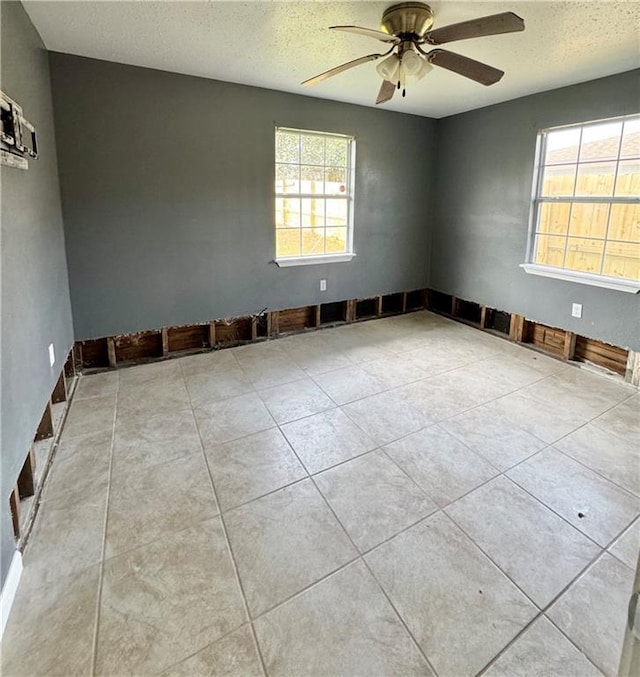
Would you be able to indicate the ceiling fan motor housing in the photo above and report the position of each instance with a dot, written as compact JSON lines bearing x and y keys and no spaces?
{"x":407,"y":19}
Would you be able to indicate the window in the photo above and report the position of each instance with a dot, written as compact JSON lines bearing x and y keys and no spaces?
{"x":586,"y":210}
{"x":314,"y":197}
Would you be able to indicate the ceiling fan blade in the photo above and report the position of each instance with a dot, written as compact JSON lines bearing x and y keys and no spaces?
{"x":507,"y":22}
{"x":339,"y":69}
{"x":368,"y":32}
{"x":463,"y":65}
{"x":387,"y":90}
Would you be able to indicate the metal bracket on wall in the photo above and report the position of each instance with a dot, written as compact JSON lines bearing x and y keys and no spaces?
{"x":17,"y":135}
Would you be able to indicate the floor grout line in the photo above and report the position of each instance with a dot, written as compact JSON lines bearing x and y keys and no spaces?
{"x":94,"y":651}
{"x":366,"y":564}
{"x":362,"y":559}
{"x":229,"y":547}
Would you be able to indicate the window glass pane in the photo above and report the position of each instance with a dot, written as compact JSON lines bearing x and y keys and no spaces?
{"x":631,"y":139}
{"x":593,"y":172}
{"x":562,"y":146}
{"x":336,"y":212}
{"x":287,"y":147}
{"x":624,"y":223}
{"x":622,"y":259}
{"x":584,"y":254}
{"x":312,"y":241}
{"x":336,"y":240}
{"x":596,"y":178}
{"x":313,"y":212}
{"x":312,"y":179}
{"x":550,"y":250}
{"x":288,"y":242}
{"x":312,"y":150}
{"x":311,"y":165}
{"x":601,"y":141}
{"x":554,"y":217}
{"x":589,"y":220}
{"x":335,"y":181}
{"x":558,"y":180}
{"x":287,"y":179}
{"x":288,"y":213}
{"x":337,"y":152}
{"x":628,"y":180}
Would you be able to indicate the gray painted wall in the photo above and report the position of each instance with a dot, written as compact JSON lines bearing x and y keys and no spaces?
{"x":483,"y":189}
{"x":167,"y":187}
{"x":35,"y":293}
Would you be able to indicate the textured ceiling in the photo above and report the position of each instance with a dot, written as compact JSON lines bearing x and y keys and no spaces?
{"x":278,"y":44}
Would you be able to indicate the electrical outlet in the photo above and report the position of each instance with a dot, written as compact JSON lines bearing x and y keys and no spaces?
{"x":323,"y":285}
{"x":52,"y":355}
{"x":576,"y":310}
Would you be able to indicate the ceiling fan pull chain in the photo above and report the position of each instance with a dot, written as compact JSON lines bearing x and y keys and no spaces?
{"x":404,"y":93}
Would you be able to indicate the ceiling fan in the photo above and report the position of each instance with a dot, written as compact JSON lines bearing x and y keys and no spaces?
{"x":406,"y":27}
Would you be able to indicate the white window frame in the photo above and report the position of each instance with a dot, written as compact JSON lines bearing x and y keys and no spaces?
{"x":314,"y":259}
{"x":596,"y":280}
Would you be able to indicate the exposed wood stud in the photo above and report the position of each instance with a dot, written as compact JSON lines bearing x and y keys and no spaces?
{"x":26,"y":480}
{"x":516,"y":329}
{"x":165,"y":341}
{"x":273,"y":328}
{"x":70,"y":366}
{"x":262,"y":325}
{"x":45,"y":429}
{"x":569,"y":345}
{"x":149,"y":345}
{"x":632,"y":371}
{"x":77,"y":358}
{"x":483,"y":317}
{"x":351,"y":310}
{"x":111,"y":352}
{"x":14,"y":505}
{"x":59,"y":393}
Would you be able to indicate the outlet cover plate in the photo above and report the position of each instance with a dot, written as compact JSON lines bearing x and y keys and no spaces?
{"x":576,"y":310}
{"x":52,"y":355}
{"x":323,"y":285}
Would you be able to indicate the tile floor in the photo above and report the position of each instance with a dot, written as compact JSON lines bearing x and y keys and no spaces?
{"x":406,"y":496}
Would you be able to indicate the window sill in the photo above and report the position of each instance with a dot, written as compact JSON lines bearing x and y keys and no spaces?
{"x":310,"y":260}
{"x":616,"y":283}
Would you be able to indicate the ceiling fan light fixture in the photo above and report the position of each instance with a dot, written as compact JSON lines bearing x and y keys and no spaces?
{"x":406,"y":27}
{"x":388,"y":69}
{"x":425,"y":67}
{"x":411,"y":62}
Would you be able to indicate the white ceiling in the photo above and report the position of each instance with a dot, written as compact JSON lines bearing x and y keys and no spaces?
{"x":278,"y":44}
